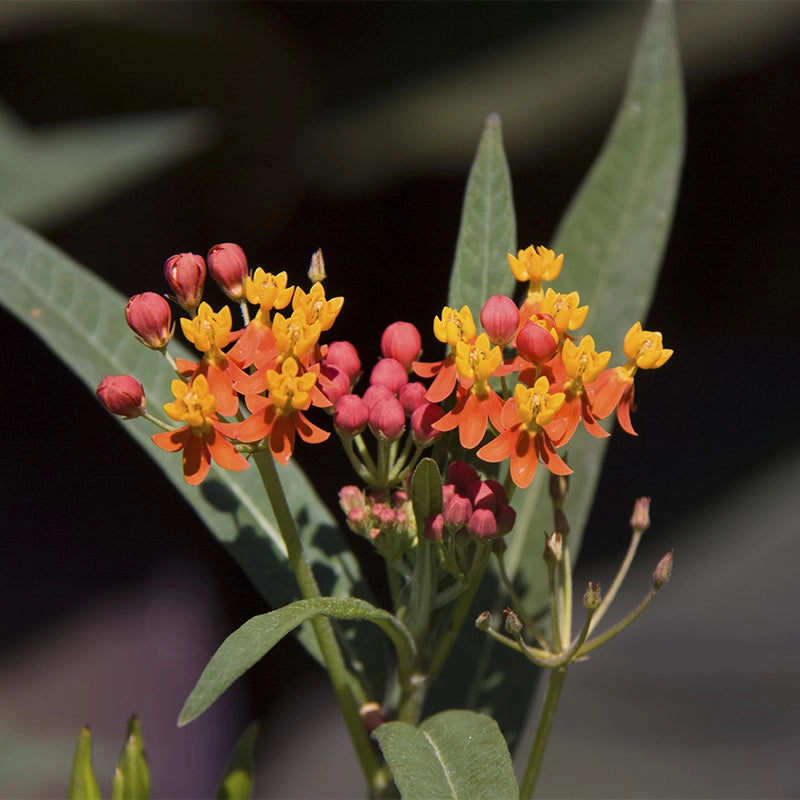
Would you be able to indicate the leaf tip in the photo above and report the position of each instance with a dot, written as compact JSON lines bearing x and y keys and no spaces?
{"x":492,"y":121}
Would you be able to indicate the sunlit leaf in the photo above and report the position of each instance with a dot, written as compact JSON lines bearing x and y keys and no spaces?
{"x":237,"y":783}
{"x":82,"y":781}
{"x":456,"y":754}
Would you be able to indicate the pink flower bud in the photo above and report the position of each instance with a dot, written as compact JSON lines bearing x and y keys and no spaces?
{"x":344,"y":356}
{"x":401,"y":341}
{"x":390,"y":373}
{"x":457,"y":512}
{"x":375,"y":393}
{"x":122,"y":395}
{"x":422,"y":420}
{"x":351,"y":497}
{"x":150,"y":318}
{"x":663,"y":571}
{"x":482,"y":524}
{"x":535,"y":343}
{"x":227,"y":264}
{"x":640,"y":518}
{"x":339,"y":383}
{"x":434,"y":528}
{"x":350,"y":415}
{"x":500,"y":319}
{"x":186,"y":274}
{"x":412,"y":396}
{"x":387,"y":419}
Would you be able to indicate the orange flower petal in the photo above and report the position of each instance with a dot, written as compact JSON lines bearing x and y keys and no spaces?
{"x":172,"y":441}
{"x":224,"y":453}
{"x":196,"y":460}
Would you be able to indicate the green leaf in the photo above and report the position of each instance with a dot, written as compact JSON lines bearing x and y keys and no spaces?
{"x":613,"y":236}
{"x":82,"y":320}
{"x":237,"y":783}
{"x":51,"y":174}
{"x":249,"y":643}
{"x":132,"y":775}
{"x":82,"y":781}
{"x":455,"y":754}
{"x":488,"y":230}
{"x":426,"y":491}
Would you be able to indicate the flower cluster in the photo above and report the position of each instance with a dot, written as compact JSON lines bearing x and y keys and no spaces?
{"x":248,"y":388}
{"x":252,"y":388}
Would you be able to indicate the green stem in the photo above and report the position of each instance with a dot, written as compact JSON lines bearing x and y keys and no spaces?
{"x":554,"y":623}
{"x":557,"y":677}
{"x":322,"y":626}
{"x":565,"y":595}
{"x":620,"y":576}
{"x":593,"y":644}
{"x":527,"y":620}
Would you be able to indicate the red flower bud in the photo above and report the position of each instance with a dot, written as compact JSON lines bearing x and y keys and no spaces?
{"x":412,"y":396}
{"x":482,"y":524}
{"x":339,"y":384}
{"x":390,"y":373}
{"x":457,"y":512}
{"x":344,"y":356}
{"x":227,"y":264}
{"x":150,"y":318}
{"x":536,"y":344}
{"x":186,"y":274}
{"x":401,"y":341}
{"x":422,"y":420}
{"x":462,"y":475}
{"x":434,"y":528}
{"x":122,"y":395}
{"x":350,"y":415}
{"x":482,"y":496}
{"x":387,"y":419}
{"x":506,"y":517}
{"x":351,"y":497}
{"x":375,"y":393}
{"x":500,"y":319}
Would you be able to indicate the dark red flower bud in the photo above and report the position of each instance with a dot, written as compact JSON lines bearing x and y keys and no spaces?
{"x":227,"y":264}
{"x":150,"y":318}
{"x":457,"y":512}
{"x":186,"y":274}
{"x":434,"y":528}
{"x":337,"y":385}
{"x":462,"y":475}
{"x":401,"y":341}
{"x":500,"y":319}
{"x":122,"y":395}
{"x":506,"y":517}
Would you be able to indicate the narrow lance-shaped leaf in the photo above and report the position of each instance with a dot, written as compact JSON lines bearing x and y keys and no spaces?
{"x":82,"y":320}
{"x":613,"y":236}
{"x":237,"y":783}
{"x":253,"y":640}
{"x":132,"y":775}
{"x":488,"y":230}
{"x":456,"y":754}
{"x":82,"y":781}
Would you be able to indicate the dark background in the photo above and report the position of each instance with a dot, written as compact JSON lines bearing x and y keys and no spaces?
{"x":87,"y":516}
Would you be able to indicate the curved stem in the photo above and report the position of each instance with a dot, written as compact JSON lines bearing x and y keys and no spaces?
{"x":557,"y":677}
{"x":322,"y":626}
{"x":620,"y":576}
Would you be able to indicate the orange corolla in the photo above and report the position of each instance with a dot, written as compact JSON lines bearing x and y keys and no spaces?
{"x":202,"y":439}
{"x":280,"y":415}
{"x":477,"y":402}
{"x":452,"y":327}
{"x":529,"y":428}
{"x":614,"y":388}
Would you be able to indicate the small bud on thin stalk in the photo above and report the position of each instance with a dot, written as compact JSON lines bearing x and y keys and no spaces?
{"x":663,"y":571}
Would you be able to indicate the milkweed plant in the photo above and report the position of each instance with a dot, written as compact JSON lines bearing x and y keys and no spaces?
{"x":473,"y":465}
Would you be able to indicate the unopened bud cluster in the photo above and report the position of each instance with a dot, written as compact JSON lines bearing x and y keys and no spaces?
{"x":384,"y":518}
{"x":470,"y":506}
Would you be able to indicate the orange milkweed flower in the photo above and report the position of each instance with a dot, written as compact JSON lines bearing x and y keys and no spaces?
{"x":477,"y":402}
{"x":279,"y":416}
{"x":535,"y":265}
{"x":614,"y":388}
{"x":452,"y":327}
{"x":529,"y":428}
{"x":202,"y":439}
{"x":316,"y":308}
